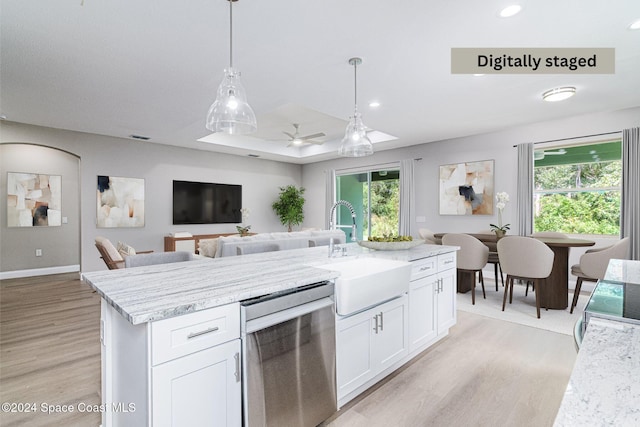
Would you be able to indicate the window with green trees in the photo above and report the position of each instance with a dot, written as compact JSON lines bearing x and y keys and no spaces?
{"x":577,"y":189}
{"x":375,"y":196}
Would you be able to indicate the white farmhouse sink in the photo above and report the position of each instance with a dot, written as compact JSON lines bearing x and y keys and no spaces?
{"x":365,"y":282}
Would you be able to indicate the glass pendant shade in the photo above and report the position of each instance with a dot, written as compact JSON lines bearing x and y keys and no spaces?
{"x":231,"y":113}
{"x":356,"y":143}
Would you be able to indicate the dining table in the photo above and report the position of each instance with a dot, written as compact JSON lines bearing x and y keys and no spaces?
{"x":556,"y":293}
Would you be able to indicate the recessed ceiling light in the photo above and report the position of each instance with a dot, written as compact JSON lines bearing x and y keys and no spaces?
{"x":478,"y":75}
{"x":510,"y":10}
{"x":374,"y":104}
{"x":559,"y":94}
{"x":635,"y":25}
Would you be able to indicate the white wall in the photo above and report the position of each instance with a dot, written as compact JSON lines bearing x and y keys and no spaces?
{"x":497,"y":146}
{"x":158,"y":165}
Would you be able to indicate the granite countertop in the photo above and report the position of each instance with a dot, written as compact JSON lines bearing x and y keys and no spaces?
{"x":621,"y":270}
{"x":150,"y":293}
{"x":604,"y":388}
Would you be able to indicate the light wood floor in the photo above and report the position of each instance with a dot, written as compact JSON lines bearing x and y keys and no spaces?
{"x":486,"y":373}
{"x":49,"y":349}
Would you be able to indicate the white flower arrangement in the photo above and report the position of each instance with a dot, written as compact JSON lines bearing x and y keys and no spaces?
{"x":502,"y":199}
{"x":244,"y":229}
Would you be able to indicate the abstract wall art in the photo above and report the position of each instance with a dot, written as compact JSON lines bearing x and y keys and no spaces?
{"x":467,"y":188}
{"x":120,"y":202}
{"x":34,"y":200}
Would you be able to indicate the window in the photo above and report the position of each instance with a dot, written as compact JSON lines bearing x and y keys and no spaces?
{"x":578,"y":188}
{"x":375,"y":196}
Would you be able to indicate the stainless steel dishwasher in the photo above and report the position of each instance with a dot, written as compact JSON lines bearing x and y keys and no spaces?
{"x":289,"y":362}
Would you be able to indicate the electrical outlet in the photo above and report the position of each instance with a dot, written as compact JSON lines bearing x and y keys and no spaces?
{"x":38,"y":252}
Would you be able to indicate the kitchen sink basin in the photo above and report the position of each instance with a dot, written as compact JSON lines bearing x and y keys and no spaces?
{"x":365,"y":282}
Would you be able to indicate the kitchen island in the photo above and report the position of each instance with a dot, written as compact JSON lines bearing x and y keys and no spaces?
{"x":604,"y":388}
{"x":170,"y":333}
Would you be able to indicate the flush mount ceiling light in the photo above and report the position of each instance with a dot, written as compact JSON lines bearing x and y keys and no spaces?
{"x":510,"y":11}
{"x":635,"y":25}
{"x":559,"y":94}
{"x":231,"y":113}
{"x":355,"y":143}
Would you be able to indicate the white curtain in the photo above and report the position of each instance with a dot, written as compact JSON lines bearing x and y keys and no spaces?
{"x":524,"y":202}
{"x":630,"y":207}
{"x":407,"y":197}
{"x":330,"y":194}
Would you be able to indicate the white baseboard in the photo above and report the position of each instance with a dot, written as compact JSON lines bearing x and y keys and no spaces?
{"x":39,"y":272}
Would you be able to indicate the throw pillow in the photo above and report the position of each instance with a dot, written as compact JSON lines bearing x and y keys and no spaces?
{"x":125,"y":250}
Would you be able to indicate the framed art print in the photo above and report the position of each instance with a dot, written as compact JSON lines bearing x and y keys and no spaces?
{"x":34,"y":200}
{"x":467,"y":188}
{"x":120,"y":202}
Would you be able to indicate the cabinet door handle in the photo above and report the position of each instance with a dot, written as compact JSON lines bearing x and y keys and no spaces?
{"x":381,"y":321}
{"x":237,"y":372}
{"x":206,"y":331}
{"x":375,"y":327}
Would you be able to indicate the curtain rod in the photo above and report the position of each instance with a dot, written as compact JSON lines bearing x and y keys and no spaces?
{"x":574,"y":137}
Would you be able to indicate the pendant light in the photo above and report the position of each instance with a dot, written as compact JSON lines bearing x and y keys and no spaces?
{"x":231,"y":113}
{"x":355,"y":143}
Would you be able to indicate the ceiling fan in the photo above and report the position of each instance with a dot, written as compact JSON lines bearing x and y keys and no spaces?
{"x":297,"y":140}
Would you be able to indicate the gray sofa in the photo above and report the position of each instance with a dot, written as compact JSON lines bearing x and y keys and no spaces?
{"x":228,"y":246}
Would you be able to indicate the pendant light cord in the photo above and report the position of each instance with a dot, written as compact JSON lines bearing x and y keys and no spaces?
{"x":231,"y":33}
{"x":355,"y":85}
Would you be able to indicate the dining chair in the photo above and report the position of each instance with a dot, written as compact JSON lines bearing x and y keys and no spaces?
{"x":257,"y":247}
{"x":524,"y":258}
{"x":427,"y":235}
{"x":471,"y":258}
{"x":493,"y":257}
{"x":549,"y":234}
{"x":593,"y":264}
{"x":139,"y":260}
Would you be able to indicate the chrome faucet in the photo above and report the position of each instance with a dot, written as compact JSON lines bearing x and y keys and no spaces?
{"x":337,"y":250}
{"x":332,"y":212}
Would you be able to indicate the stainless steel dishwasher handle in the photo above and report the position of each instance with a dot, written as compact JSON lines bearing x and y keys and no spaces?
{"x":284,"y":315}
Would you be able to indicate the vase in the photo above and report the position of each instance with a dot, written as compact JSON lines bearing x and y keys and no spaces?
{"x":499,"y":234}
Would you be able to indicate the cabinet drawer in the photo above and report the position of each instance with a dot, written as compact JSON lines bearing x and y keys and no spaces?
{"x":423,"y":267}
{"x":446,"y":261}
{"x":181,"y":335}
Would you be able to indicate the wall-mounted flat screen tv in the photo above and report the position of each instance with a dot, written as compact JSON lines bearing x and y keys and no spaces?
{"x":206,"y":203}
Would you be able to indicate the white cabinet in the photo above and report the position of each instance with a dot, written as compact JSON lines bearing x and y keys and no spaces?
{"x":446,"y":299}
{"x":179,"y":371}
{"x":369,"y":342}
{"x":201,"y":389}
{"x":422,"y":315}
{"x":432,"y":300}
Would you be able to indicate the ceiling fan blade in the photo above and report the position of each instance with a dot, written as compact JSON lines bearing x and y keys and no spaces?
{"x":290,"y":135}
{"x":315,"y":135}
{"x":314,"y":142}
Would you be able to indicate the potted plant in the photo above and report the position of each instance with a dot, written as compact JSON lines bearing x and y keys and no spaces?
{"x":243,"y":229}
{"x":500,"y":230}
{"x":289,"y":206}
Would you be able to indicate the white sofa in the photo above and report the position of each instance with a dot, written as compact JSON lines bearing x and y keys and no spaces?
{"x":228,"y":246}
